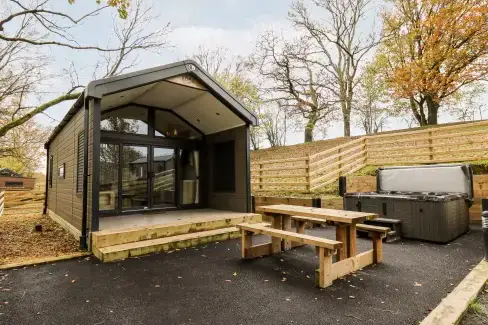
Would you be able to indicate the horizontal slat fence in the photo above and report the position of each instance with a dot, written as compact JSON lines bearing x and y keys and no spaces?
{"x":2,"y":202}
{"x":455,"y":143}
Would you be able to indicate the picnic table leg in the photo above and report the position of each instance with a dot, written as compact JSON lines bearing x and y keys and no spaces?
{"x":287,"y":227}
{"x":301,"y":227}
{"x":377,"y":248}
{"x":325,"y":268}
{"x":246,"y":242}
{"x":351,"y":240}
{"x":275,"y":241}
{"x":341,"y":235}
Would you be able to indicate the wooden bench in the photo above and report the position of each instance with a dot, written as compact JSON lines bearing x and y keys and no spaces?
{"x":377,"y":234}
{"x":326,"y":247}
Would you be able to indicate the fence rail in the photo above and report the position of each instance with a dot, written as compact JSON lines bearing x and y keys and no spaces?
{"x":455,"y":143}
{"x":2,"y":202}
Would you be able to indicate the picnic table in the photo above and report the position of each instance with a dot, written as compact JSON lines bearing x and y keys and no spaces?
{"x":346,"y":223}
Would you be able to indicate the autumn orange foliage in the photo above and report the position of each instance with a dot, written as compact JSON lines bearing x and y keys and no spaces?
{"x":432,"y":49}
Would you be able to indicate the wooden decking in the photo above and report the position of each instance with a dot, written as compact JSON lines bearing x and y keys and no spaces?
{"x":133,"y":235}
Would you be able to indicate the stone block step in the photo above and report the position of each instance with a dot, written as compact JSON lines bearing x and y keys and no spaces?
{"x":106,"y":238}
{"x":123,"y":251}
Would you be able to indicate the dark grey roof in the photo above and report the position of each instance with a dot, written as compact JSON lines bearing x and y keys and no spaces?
{"x":106,"y":86}
{"x":9,"y":172}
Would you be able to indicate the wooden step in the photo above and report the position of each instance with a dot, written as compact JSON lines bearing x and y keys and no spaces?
{"x":106,"y":238}
{"x":123,"y":251}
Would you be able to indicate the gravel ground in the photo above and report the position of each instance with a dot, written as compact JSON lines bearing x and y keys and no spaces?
{"x":478,"y":315}
{"x":212,"y":285}
{"x":19,"y":242}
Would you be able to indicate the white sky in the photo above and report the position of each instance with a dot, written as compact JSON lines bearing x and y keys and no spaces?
{"x":233,"y":24}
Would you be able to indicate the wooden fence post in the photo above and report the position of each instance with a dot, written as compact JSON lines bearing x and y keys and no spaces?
{"x":260,"y":176}
{"x":431,"y":148}
{"x":307,"y":171}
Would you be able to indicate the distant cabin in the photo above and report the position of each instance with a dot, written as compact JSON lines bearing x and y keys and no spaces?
{"x":9,"y":180}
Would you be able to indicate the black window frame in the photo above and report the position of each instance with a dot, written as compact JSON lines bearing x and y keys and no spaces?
{"x":62,"y":168}
{"x":79,"y":162}
{"x":51,"y":168}
{"x":224,"y":167}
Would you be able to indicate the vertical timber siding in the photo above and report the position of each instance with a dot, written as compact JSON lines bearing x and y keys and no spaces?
{"x":236,"y":201}
{"x":62,"y":197}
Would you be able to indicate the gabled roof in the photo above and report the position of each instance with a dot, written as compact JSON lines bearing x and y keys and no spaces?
{"x":139,"y":82}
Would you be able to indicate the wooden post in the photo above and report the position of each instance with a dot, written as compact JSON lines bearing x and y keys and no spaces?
{"x":351,"y":240}
{"x":260,"y":176}
{"x":246,"y":242}
{"x":325,"y":268}
{"x":301,"y":227}
{"x":286,"y":220}
{"x":307,"y":172}
{"x":275,"y":241}
{"x":377,"y":248}
{"x":431,"y":148}
{"x":341,"y":235}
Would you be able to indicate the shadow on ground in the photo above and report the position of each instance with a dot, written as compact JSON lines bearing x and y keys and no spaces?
{"x":212,"y":285}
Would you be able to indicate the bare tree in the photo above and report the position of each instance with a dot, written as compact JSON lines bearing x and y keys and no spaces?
{"x":36,"y":26}
{"x":275,"y":123}
{"x":338,"y":44}
{"x":294,"y":80}
{"x":373,"y":104}
{"x":232,"y":73}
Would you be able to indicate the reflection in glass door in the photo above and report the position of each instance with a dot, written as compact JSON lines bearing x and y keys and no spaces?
{"x":163,"y":182}
{"x":134,"y":178}
{"x":189,"y":162}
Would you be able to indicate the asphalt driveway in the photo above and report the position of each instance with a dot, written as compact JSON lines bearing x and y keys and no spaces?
{"x":212,"y":285}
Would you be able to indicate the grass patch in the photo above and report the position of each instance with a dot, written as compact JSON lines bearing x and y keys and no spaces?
{"x":476,"y":307}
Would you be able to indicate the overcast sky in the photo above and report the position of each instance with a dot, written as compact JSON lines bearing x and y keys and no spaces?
{"x":234,"y":24}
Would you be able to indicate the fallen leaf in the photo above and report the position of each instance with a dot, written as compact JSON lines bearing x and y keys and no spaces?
{"x":235,"y":274}
{"x":204,"y":255}
{"x":180,"y":277}
{"x":339,"y":298}
{"x":288,"y":299}
{"x":282,"y":260}
{"x":157,"y":286}
{"x":283,"y":280}
{"x":88,"y":301}
{"x":73,"y":281}
{"x":417,"y":284}
{"x":228,"y":280}
{"x":266,"y":280}
{"x":352,"y":297}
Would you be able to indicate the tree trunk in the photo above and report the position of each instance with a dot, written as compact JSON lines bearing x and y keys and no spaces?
{"x":433,"y":109}
{"x":308,"y":133}
{"x":346,"y":118}
{"x":310,"y":127}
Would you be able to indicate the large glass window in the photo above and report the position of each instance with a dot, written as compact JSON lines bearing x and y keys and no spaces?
{"x":190,"y":161}
{"x":169,"y":125}
{"x":130,"y":119}
{"x":163,"y":191}
{"x":109,"y":176}
{"x":134,"y":178}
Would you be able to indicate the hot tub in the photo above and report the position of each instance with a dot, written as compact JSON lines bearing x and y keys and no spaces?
{"x":432,"y":202}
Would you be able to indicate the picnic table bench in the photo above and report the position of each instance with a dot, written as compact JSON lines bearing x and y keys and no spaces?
{"x":344,"y":247}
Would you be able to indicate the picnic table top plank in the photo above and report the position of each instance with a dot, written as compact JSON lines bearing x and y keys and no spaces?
{"x":341,"y":216}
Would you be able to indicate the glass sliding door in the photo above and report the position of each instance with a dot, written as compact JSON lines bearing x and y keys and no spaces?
{"x":135,"y":187}
{"x":109,"y":177}
{"x":163,"y":177}
{"x":190,"y":171}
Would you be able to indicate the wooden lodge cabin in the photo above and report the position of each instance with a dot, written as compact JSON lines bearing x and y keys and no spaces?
{"x":145,"y":147}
